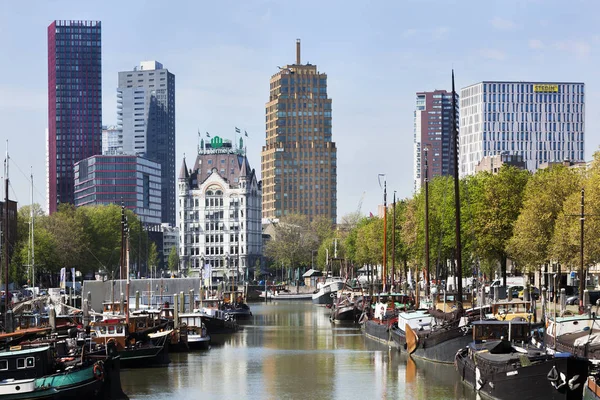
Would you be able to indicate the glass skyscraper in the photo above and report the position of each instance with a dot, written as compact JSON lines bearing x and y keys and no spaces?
{"x":299,"y":159}
{"x":146,"y":117}
{"x":541,"y":121}
{"x":74,"y":103}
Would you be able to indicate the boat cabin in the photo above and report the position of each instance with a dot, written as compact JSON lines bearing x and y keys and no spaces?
{"x":20,"y":363}
{"x":446,"y":301}
{"x":110,"y":329}
{"x":191,"y":320}
{"x":512,"y":310}
{"x":496,"y":330}
{"x":114,"y":307}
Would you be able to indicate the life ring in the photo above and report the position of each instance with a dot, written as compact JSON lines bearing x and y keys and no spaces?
{"x":332,"y":295}
{"x":98,"y":371}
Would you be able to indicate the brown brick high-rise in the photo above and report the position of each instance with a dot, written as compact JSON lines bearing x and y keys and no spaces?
{"x":298,"y":162}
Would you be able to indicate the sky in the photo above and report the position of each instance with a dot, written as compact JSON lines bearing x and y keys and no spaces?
{"x":377,"y":55}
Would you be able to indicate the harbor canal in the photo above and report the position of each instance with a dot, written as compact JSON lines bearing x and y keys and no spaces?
{"x":290,"y":350}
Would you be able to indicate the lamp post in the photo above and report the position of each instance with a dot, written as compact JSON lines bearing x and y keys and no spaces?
{"x":201,"y":279}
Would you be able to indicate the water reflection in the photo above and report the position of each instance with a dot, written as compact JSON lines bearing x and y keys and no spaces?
{"x":291,"y":351}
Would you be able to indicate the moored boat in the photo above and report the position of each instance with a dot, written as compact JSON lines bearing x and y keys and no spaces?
{"x":326,"y":292}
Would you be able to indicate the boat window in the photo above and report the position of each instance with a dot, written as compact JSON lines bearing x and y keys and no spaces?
{"x":20,"y":363}
{"x":111,"y":329}
{"x":102,"y":329}
{"x":120,"y":329}
{"x":30,"y":362}
{"x":141,"y":325}
{"x":3,"y":365}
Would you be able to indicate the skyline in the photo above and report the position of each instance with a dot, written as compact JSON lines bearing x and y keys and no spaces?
{"x":376,"y":56}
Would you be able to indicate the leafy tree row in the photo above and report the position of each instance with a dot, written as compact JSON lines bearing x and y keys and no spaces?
{"x":85,"y":238}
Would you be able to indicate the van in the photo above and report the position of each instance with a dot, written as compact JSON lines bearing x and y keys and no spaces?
{"x":510,"y":281}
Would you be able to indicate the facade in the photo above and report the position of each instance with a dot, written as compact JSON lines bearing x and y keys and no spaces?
{"x":219,"y":214}
{"x":131,"y":180}
{"x":165,"y":237}
{"x":542,"y":122}
{"x":433,"y":130}
{"x":298,"y":161}
{"x":74,"y":103}
{"x":493,"y":163}
{"x":146,"y":116}
{"x":112,"y":140}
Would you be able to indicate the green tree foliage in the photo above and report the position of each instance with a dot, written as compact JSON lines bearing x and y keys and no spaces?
{"x":544,"y":198}
{"x":496,"y":209}
{"x":292,"y":242}
{"x":173,"y":260}
{"x":153,"y":259}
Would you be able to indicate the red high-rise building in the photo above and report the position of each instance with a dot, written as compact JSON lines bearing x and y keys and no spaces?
{"x":74,"y":103}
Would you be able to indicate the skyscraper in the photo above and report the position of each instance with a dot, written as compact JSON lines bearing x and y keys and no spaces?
{"x":74,"y":103}
{"x":146,"y":116}
{"x":433,"y":130}
{"x":541,"y":121}
{"x":298,"y":163}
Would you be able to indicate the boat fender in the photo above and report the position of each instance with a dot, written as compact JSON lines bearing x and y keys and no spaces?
{"x":98,"y":371}
{"x":363,"y":318}
{"x":572,"y":383}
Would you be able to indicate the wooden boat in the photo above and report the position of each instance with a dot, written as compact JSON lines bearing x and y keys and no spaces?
{"x":36,"y":373}
{"x":501,"y":369}
{"x":384,"y":316}
{"x":326,"y":292}
{"x":136,"y":349}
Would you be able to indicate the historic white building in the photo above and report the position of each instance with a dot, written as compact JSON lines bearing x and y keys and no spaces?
{"x":219,"y":213}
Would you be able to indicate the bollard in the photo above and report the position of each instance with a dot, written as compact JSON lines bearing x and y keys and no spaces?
{"x":137,"y":300}
{"x":181,"y":302}
{"x":192,"y":300}
{"x":544,"y":299}
{"x":586,"y":298}
{"x":10,"y":321}
{"x":496,"y":290}
{"x":563,"y":300}
{"x":508,"y":294}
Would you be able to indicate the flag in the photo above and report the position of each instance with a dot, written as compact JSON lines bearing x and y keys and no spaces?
{"x":237,"y":130}
{"x":63,"y":277}
{"x":370,"y":214}
{"x":207,"y":134}
{"x":245,"y":133}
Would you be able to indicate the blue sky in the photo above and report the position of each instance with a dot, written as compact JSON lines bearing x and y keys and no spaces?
{"x":376,"y":54}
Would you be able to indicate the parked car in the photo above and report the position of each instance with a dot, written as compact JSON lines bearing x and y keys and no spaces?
{"x":533,"y":292}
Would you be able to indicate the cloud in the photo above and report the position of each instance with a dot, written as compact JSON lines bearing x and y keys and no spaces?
{"x":536,"y":44}
{"x":492,"y":54}
{"x":503,"y":24}
{"x":409,"y":33}
{"x":579,"y":48}
{"x":440,"y":33}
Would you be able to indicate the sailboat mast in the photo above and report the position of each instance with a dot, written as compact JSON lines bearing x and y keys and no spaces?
{"x":6,"y":264}
{"x":384,"y":275}
{"x":32,"y":226}
{"x":427,"y":280}
{"x":457,"y":201}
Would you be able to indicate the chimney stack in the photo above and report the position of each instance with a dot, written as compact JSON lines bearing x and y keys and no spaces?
{"x":297,"y":51}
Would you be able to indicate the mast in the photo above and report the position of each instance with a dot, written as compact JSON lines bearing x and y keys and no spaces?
{"x":427,"y":280}
{"x":581,"y":264}
{"x":32,"y":217}
{"x":6,"y":264}
{"x":126,"y":229}
{"x":384,"y":272}
{"x":458,"y":272}
{"x":394,"y":240}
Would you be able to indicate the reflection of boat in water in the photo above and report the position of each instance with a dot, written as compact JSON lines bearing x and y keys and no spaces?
{"x":501,"y":369}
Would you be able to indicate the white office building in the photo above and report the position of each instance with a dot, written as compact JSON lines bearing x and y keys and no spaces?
{"x":541,"y":121}
{"x":220,"y":207}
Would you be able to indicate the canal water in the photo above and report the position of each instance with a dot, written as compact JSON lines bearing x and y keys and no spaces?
{"x":290,"y":350}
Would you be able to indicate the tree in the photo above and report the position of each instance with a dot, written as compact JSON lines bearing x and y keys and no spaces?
{"x":293,"y":242}
{"x":497,"y":208}
{"x":544,"y":198}
{"x":173,"y":260}
{"x":152,"y":258}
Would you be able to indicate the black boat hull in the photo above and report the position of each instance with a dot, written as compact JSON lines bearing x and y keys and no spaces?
{"x":146,"y":356}
{"x":440,"y":347}
{"x":379,"y":331}
{"x":525,"y":382}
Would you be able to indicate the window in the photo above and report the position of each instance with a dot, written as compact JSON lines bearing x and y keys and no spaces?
{"x":20,"y":363}
{"x":3,"y":365}
{"x":30,"y":362}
